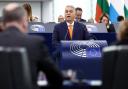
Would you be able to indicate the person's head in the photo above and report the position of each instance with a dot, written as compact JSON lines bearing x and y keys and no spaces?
{"x":91,"y":20}
{"x":69,"y":13}
{"x":60,"y":18}
{"x":15,"y":15}
{"x":122,"y":31}
{"x":28,"y":10}
{"x":104,"y":19}
{"x":120,"y":18}
{"x":78,"y":13}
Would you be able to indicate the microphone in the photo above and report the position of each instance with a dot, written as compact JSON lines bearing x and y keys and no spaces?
{"x":66,"y":35}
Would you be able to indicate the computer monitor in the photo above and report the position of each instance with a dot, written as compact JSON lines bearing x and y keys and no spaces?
{"x":83,"y":57}
{"x":49,"y":27}
{"x":39,"y":27}
{"x":96,"y":27}
{"x":14,"y":68}
{"x":36,"y":27}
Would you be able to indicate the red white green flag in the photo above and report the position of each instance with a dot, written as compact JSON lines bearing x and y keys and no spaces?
{"x":102,"y":6}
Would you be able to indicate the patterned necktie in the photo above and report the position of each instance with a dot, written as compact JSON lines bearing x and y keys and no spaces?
{"x":70,"y":28}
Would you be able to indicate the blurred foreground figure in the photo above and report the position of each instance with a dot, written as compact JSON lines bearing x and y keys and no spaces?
{"x":15,"y":21}
{"x":115,"y":61}
{"x":122,"y":34}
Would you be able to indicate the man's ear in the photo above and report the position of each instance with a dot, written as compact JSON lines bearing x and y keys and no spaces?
{"x":24,"y":24}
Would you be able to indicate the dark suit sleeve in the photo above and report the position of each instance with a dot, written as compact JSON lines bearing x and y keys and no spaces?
{"x":55,"y":37}
{"x":46,"y":64}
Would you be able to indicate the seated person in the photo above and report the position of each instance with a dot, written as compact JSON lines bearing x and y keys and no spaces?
{"x":60,"y":19}
{"x":79,"y":15}
{"x":14,"y":35}
{"x":105,"y":19}
{"x":28,"y":10}
{"x":91,"y":20}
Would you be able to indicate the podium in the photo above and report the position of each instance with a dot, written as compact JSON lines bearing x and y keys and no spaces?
{"x":83,"y":57}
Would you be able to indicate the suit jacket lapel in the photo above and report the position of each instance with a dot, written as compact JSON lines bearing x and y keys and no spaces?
{"x":75,"y":32}
{"x":65,"y":27}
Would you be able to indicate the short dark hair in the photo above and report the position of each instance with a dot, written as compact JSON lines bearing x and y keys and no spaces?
{"x":78,"y":8}
{"x":120,"y":18}
{"x":13,"y":15}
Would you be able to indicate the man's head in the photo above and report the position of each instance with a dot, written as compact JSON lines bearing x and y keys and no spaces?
{"x":60,"y":18}
{"x":120,"y":18}
{"x":15,"y":15}
{"x":69,"y":13}
{"x":123,"y":31}
{"x":78,"y":13}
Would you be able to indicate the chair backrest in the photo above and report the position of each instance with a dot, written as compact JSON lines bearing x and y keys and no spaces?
{"x":14,"y":69}
{"x":115,"y":66}
{"x":121,"y":72}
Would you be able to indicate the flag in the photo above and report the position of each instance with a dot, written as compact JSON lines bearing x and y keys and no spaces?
{"x":116,"y":9}
{"x":126,"y":8}
{"x":102,"y":6}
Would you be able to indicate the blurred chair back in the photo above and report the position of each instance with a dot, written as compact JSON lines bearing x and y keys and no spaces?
{"x":115,"y":66}
{"x":14,"y":69}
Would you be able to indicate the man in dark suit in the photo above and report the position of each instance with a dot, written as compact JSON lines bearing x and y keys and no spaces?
{"x":15,"y":21}
{"x":68,"y":30}
{"x":79,"y":15}
{"x":62,"y":30}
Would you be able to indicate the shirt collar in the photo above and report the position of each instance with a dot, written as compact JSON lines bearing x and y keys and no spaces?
{"x":70,"y":24}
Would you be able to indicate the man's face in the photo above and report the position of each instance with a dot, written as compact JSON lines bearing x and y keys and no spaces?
{"x":78,"y":14}
{"x":69,"y":14}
